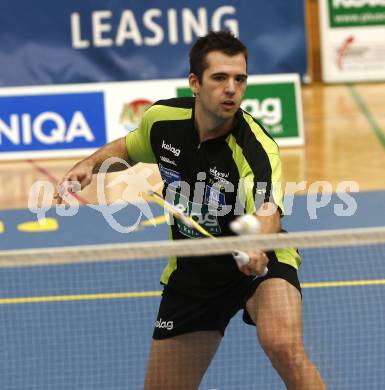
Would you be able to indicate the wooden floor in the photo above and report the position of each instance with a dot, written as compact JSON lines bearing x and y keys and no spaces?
{"x":344,"y":130}
{"x":341,"y":141}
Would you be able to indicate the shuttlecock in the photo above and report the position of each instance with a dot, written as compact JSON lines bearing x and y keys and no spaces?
{"x":245,"y":224}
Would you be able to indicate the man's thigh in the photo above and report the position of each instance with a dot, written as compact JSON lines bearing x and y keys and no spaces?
{"x":276,"y":309}
{"x":181,"y":361}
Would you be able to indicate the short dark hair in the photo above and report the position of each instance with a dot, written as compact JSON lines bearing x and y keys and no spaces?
{"x":224,"y":41}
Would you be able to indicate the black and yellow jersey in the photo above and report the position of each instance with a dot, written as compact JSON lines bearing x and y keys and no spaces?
{"x":213,"y":181}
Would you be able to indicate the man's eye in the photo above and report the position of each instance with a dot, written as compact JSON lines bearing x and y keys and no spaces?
{"x":219,"y":78}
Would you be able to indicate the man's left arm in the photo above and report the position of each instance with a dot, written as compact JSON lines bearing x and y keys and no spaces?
{"x":269,"y":218}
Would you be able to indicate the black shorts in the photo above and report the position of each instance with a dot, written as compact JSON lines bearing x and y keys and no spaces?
{"x":181,"y":313}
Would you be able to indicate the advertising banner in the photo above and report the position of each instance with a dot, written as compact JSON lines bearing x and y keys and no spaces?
{"x":353,"y":43}
{"x":49,"y":42}
{"x":36,"y":122}
{"x":51,"y":121}
{"x":74,"y":120}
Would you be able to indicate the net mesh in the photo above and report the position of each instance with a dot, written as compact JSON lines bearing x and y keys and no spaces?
{"x":204,"y":246}
{"x":82,"y":317}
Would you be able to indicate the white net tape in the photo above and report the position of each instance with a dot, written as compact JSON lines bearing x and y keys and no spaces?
{"x":191,"y":247}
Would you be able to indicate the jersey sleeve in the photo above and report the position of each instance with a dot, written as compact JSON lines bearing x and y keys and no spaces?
{"x":261,"y":184}
{"x":138,"y":141}
{"x":263,"y":168}
{"x":269,"y":182}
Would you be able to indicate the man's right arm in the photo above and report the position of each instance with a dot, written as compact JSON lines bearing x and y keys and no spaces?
{"x":134,"y":147}
{"x":82,"y":171}
{"x":117,"y":149}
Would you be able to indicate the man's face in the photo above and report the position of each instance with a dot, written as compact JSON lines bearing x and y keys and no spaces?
{"x":223,"y":85}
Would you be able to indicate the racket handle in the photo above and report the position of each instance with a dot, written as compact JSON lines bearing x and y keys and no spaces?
{"x":265,"y":271}
{"x":243,"y":258}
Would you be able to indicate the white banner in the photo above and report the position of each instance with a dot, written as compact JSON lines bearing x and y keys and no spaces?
{"x":352,"y":40}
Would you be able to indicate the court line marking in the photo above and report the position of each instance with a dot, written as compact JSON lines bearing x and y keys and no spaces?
{"x":344,"y":283}
{"x":83,"y":297}
{"x":142,"y":294}
{"x":368,"y":115}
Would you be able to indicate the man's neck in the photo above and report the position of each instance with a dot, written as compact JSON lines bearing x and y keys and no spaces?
{"x":209,"y":127}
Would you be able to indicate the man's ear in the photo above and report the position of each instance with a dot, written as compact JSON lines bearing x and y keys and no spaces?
{"x":194,"y":83}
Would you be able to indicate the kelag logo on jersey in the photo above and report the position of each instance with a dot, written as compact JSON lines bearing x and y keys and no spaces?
{"x":200,"y":213}
{"x":56,"y":121}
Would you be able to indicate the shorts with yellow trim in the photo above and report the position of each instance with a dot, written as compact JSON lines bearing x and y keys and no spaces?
{"x":181,"y":313}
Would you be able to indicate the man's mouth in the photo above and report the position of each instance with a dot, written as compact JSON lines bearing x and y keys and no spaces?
{"x":228,"y":103}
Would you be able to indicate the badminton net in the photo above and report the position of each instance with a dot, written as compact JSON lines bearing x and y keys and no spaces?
{"x":82,"y":317}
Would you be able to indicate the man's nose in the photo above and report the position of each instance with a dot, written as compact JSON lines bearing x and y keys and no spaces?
{"x":230,"y":86}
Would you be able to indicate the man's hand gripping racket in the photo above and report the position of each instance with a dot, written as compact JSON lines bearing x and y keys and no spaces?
{"x":245,"y":224}
{"x":248,"y":224}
